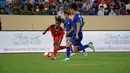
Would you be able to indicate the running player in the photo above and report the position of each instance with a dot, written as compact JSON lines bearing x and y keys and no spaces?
{"x":77,"y":35}
{"x":57,"y":34}
{"x":68,"y":25}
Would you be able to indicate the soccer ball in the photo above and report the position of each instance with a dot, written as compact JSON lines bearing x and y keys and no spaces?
{"x":47,"y":54}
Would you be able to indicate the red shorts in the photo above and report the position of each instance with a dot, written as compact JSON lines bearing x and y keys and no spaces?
{"x":56,"y":39}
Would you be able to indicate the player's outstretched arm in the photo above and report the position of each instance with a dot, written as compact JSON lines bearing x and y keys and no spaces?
{"x":45,"y":31}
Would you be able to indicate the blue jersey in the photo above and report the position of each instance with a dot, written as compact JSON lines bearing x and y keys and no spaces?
{"x":77,"y":19}
{"x":68,"y":24}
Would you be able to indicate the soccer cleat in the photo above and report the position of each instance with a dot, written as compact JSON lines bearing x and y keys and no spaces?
{"x":67,"y":59}
{"x":91,"y":46}
{"x":53,"y":58}
{"x":85,"y":53}
{"x":72,"y":54}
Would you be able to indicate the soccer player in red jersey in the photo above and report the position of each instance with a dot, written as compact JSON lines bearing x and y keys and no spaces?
{"x":57,"y":34}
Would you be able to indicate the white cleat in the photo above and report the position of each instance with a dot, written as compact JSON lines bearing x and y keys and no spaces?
{"x":91,"y":46}
{"x":72,"y":54}
{"x":67,"y":59}
{"x":85,"y":53}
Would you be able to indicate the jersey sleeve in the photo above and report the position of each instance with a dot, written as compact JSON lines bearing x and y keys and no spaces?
{"x":50,"y":26}
{"x":79,"y":19}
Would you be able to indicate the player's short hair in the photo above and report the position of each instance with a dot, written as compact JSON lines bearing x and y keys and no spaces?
{"x":58,"y":19}
{"x":67,"y":13}
{"x":74,"y":6}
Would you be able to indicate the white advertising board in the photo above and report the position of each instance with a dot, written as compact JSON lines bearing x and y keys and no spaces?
{"x":34,"y":41}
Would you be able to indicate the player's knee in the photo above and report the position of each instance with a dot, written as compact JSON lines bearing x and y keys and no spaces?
{"x":56,"y":47}
{"x":68,"y":44}
{"x":55,"y":43}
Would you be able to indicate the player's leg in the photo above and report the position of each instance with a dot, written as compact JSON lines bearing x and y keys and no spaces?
{"x":77,"y":49}
{"x":78,"y":44}
{"x":71,"y":49}
{"x":61,"y":47}
{"x":69,"y":43}
{"x":84,"y":51}
{"x":57,"y":47}
{"x":55,"y":50}
{"x":83,"y":47}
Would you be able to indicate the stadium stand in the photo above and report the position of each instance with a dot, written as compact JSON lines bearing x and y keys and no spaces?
{"x":52,"y":7}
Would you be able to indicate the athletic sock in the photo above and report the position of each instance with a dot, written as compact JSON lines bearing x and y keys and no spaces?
{"x":68,"y":52}
{"x":55,"y":51}
{"x":83,"y":47}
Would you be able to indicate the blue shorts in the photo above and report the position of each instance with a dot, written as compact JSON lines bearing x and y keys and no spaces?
{"x":76,"y":42}
{"x":69,"y":35}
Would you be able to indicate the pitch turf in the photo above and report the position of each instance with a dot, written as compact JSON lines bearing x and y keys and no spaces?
{"x":93,"y":63}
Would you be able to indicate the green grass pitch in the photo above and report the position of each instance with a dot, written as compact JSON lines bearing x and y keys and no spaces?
{"x":93,"y":63}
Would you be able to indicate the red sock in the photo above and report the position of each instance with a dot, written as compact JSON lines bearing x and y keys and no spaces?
{"x":55,"y":51}
{"x":62,"y":47}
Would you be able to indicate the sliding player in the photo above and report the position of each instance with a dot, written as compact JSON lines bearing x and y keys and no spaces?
{"x":77,"y":36}
{"x":57,"y":34}
{"x":68,"y":25}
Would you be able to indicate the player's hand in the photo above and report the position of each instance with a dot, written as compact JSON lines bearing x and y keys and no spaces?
{"x":43,"y":33}
{"x":67,"y":32}
{"x":77,"y":37}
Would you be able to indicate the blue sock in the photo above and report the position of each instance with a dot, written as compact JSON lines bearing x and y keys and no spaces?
{"x":84,"y":50}
{"x":83,"y":47}
{"x":68,"y":52}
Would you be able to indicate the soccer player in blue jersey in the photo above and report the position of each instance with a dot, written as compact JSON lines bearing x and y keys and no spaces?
{"x":77,"y":34}
{"x":68,"y":25}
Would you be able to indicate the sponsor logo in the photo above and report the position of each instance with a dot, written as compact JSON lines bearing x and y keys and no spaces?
{"x":22,"y":39}
{"x":114,"y":38}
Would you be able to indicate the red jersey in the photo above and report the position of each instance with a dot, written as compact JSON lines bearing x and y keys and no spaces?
{"x":56,"y":32}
